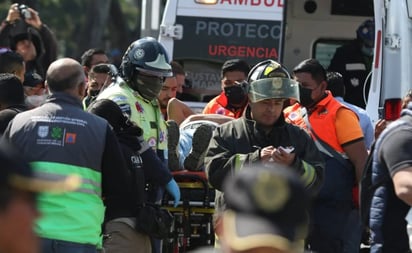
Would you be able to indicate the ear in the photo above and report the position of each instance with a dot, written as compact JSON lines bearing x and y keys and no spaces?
{"x":86,"y":70}
{"x":324,"y":85}
{"x":81,"y":89}
{"x":46,"y":86}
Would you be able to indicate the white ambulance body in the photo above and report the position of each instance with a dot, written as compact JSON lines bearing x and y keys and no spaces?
{"x":391,"y":72}
{"x":203,"y":36}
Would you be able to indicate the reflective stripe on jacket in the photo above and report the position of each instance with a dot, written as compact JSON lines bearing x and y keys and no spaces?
{"x":59,"y":138}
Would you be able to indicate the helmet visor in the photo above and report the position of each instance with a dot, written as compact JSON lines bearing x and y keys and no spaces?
{"x":277,"y":87}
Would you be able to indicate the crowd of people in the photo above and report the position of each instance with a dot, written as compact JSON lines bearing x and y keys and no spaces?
{"x":285,"y":151}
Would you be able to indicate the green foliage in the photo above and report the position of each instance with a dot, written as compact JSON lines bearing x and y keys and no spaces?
{"x":68,"y":20}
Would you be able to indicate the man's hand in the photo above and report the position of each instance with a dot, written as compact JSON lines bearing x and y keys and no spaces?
{"x":276,"y":155}
{"x":281,"y":156}
{"x":13,"y":13}
{"x":34,"y":20}
{"x":266,"y":154}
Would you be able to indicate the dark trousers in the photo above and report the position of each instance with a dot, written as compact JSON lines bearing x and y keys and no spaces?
{"x":58,"y":246}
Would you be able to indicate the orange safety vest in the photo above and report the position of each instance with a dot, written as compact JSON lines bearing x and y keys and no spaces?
{"x":218,"y":105}
{"x":322,"y":120}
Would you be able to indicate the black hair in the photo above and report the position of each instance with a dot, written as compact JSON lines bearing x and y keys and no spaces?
{"x":86,"y":58}
{"x":335,"y":83}
{"x":11,"y":62}
{"x":235,"y":65}
{"x":23,"y":31}
{"x":313,"y":67}
{"x":11,"y":90}
{"x":177,"y":69}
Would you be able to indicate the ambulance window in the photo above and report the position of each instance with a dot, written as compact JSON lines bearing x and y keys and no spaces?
{"x":324,"y":49}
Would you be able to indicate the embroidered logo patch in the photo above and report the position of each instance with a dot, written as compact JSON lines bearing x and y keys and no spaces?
{"x":70,"y":138}
{"x":43,"y":131}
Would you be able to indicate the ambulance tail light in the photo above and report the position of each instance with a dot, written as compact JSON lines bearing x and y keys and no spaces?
{"x":206,"y":1}
{"x":392,"y":109}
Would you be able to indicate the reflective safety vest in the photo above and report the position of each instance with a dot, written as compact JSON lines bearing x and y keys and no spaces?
{"x":146,"y":114}
{"x":322,"y":120}
{"x":334,"y":201}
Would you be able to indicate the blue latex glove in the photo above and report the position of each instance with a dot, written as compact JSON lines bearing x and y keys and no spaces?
{"x":173,"y":189}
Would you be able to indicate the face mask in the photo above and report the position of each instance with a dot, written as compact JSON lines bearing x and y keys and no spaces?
{"x":235,"y":94}
{"x":94,"y":93}
{"x":148,"y":86}
{"x":305,"y":95}
{"x":35,"y":100}
{"x":367,"y":51}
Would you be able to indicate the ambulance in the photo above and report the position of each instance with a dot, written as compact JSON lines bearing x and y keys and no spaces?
{"x":391,"y":70}
{"x":202,"y":34}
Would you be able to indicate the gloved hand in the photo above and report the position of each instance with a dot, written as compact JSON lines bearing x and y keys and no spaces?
{"x":173,"y":189}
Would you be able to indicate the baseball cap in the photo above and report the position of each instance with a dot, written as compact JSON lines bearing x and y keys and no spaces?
{"x":366,"y":32}
{"x":32,"y":79}
{"x":17,"y":173}
{"x":266,"y":207}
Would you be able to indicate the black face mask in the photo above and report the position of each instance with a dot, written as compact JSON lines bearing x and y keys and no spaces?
{"x":305,"y":96}
{"x":147,"y":86}
{"x":235,"y":94}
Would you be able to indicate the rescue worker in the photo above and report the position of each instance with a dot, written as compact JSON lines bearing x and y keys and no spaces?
{"x":337,"y":133}
{"x":233,"y":99}
{"x":261,"y":135}
{"x":143,"y":70}
{"x":354,"y":61}
{"x":143,"y":163}
{"x":19,"y":188}
{"x":59,"y":138}
{"x":145,"y":65}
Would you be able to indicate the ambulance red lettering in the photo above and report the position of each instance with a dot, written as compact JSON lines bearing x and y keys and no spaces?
{"x":267,"y":3}
{"x":242,"y":51}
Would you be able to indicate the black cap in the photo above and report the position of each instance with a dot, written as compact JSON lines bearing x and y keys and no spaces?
{"x":32,"y":79}
{"x":266,"y":207}
{"x":16,"y":173}
{"x":235,"y":65}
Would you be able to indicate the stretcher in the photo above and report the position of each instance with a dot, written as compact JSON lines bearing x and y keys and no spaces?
{"x":193,"y":217}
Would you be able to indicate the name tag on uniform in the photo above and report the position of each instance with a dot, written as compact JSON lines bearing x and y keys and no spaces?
{"x":355,"y":66}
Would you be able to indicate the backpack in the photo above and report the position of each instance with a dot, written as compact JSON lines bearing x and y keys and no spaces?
{"x":367,"y":188}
